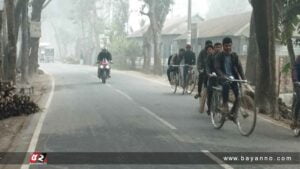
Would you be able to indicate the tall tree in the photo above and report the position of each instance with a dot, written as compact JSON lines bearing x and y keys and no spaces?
{"x":37,"y":7}
{"x":266,"y":93}
{"x":25,"y":43}
{"x":10,"y":48}
{"x":252,"y":53}
{"x":157,"y":13}
{"x":287,"y":22}
{"x":1,"y":44}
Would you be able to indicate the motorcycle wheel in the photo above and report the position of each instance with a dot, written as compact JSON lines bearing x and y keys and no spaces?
{"x":103,"y":78}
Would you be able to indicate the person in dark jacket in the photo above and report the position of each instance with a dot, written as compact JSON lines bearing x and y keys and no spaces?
{"x":209,"y":69}
{"x":201,"y":60}
{"x":174,"y":60}
{"x":189,"y":59}
{"x":228,"y":66}
{"x":189,"y":56}
{"x":104,"y":54}
{"x":211,"y":72}
{"x":296,"y":79}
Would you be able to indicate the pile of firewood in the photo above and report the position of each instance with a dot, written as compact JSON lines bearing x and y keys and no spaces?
{"x":285,"y":111}
{"x":14,"y":104}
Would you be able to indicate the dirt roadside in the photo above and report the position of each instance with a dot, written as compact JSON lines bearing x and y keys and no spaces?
{"x":11,"y":127}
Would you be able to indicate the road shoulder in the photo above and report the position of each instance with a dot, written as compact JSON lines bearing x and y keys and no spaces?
{"x":16,"y":132}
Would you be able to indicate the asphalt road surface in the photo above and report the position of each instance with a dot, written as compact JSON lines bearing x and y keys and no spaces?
{"x":133,"y":114}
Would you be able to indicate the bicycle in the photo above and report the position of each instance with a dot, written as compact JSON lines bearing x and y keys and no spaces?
{"x":189,"y":84}
{"x":174,"y":76}
{"x":204,"y":94}
{"x":246,"y":110}
{"x":296,"y":129}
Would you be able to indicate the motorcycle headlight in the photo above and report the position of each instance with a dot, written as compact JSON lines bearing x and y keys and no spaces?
{"x":101,"y":66}
{"x":107,"y":67}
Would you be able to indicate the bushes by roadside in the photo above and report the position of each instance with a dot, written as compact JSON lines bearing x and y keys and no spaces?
{"x":14,"y":104}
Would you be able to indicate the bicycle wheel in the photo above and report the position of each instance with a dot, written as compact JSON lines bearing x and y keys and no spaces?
{"x":246,"y":116}
{"x":202,"y":100}
{"x":191,"y":83}
{"x":217,"y":117}
{"x":176,"y":76}
{"x":173,"y":82}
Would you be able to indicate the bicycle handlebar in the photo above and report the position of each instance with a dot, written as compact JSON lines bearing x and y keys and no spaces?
{"x":235,"y":80}
{"x":183,"y":65}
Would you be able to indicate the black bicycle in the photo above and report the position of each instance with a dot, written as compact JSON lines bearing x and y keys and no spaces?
{"x":174,"y":78}
{"x":189,"y":83}
{"x":296,"y":129}
{"x":246,"y":110}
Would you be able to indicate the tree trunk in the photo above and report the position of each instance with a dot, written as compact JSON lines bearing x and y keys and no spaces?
{"x":252,"y":54}
{"x":37,"y":6}
{"x":158,"y":11}
{"x":147,"y":48}
{"x":25,"y":43}
{"x":266,"y":93}
{"x":291,"y":51}
{"x":157,"y":56}
{"x":1,"y":49}
{"x":156,"y":27}
{"x":272,"y":55}
{"x":18,"y":12}
{"x":10,"y":54}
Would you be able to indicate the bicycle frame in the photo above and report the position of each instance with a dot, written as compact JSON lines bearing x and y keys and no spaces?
{"x":242,"y":112}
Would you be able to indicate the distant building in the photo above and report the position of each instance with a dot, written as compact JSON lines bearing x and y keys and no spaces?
{"x":236,"y":27}
{"x":172,"y":29}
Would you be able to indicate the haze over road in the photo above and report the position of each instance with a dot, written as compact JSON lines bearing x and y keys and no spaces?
{"x":133,"y":114}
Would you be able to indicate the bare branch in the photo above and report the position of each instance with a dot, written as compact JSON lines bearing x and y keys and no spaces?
{"x":46,"y":4}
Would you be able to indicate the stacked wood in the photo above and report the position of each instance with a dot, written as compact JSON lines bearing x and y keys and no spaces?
{"x":284,"y":110}
{"x":13,"y":104}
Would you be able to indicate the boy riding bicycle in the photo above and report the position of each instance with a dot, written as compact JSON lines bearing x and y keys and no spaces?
{"x":228,"y":66}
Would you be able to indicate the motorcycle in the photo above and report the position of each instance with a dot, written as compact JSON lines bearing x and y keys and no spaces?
{"x":103,"y":70}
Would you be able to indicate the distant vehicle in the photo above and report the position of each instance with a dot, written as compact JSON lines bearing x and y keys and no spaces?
{"x":103,"y":70}
{"x":46,"y":53}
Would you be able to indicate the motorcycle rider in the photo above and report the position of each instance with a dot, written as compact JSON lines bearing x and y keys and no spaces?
{"x":104,"y":54}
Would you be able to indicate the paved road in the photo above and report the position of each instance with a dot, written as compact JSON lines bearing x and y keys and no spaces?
{"x":133,"y":114}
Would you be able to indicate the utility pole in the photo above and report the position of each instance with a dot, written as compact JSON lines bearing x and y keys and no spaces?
{"x":189,"y":33}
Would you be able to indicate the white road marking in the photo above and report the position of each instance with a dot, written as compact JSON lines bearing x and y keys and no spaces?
{"x":145,"y":78}
{"x":159,"y":118}
{"x":125,"y":95}
{"x":146,"y":110}
{"x":216,"y":159}
{"x":37,"y":131}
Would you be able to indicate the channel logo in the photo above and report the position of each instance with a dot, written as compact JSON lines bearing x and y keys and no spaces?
{"x":38,"y":158}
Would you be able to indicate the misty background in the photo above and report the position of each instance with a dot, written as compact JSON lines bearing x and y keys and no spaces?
{"x":63,"y":31}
